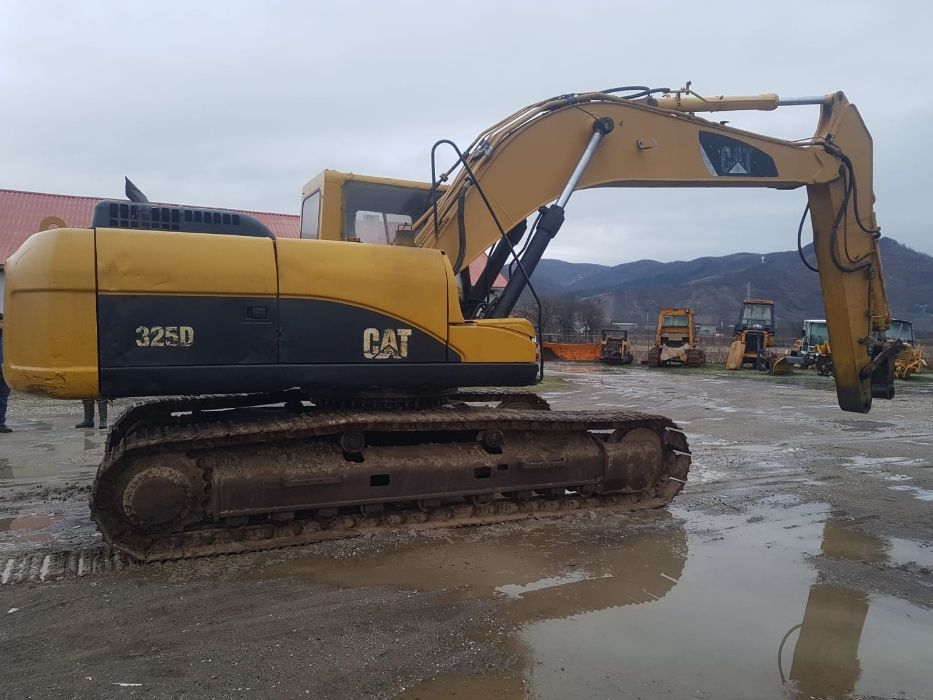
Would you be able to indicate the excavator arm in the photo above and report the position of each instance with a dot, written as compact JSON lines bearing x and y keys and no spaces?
{"x":543,"y":153}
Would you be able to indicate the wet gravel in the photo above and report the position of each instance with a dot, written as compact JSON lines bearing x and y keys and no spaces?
{"x":796,"y":517}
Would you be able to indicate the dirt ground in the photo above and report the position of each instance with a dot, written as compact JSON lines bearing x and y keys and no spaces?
{"x":796,"y":563}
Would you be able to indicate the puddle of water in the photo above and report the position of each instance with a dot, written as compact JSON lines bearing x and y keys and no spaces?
{"x":867,"y":425}
{"x":862,"y":462}
{"x":917,"y":492}
{"x":549,"y":569}
{"x":44,"y":449}
{"x":26,"y":522}
{"x":844,"y":645}
{"x":513,"y":590}
{"x":875,"y":467}
{"x":840,"y":542}
{"x":458,"y":685}
{"x":651,"y":606}
{"x":906,"y":551}
{"x":717,"y":633}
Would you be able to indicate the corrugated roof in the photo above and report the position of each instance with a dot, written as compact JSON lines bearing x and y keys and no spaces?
{"x":24,"y":213}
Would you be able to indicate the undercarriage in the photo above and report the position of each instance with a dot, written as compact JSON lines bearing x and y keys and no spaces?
{"x":225,"y":474}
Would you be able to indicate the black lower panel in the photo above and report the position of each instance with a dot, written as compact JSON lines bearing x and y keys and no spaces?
{"x":319,"y":331}
{"x":168,"y":381}
{"x":158,"y":330}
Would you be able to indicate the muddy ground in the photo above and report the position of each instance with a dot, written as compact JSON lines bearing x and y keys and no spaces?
{"x":796,"y":563}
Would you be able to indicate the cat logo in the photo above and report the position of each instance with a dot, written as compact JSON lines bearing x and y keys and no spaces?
{"x":390,"y":344}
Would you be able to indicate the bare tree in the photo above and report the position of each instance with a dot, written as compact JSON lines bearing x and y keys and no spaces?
{"x":591,"y":316}
{"x":529,"y":309}
{"x":566,"y":312}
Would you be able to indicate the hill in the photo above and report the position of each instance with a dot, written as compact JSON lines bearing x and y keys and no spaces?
{"x":715,"y":286}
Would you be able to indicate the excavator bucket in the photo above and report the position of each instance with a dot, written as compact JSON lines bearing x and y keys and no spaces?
{"x":782,"y":366}
{"x":736,"y":353}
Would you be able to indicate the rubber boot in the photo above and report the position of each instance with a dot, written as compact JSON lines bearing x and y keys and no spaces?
{"x":88,"y":421}
{"x":102,"y":410}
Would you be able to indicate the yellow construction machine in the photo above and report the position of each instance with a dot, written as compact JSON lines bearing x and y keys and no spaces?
{"x":675,"y":341}
{"x":910,"y":359}
{"x":319,"y":379}
{"x":811,"y":349}
{"x":753,"y":335}
{"x":616,"y":349}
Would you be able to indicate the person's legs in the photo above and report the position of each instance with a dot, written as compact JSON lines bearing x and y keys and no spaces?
{"x":102,"y":410}
{"x":88,"y":421}
{"x":4,"y":396}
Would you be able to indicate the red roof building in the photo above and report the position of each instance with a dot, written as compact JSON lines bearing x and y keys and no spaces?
{"x":24,"y":213}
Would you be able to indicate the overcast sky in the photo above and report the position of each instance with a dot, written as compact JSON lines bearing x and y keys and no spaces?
{"x":238,"y":104}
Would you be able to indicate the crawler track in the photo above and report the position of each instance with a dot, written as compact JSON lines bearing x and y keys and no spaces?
{"x":219,"y":475}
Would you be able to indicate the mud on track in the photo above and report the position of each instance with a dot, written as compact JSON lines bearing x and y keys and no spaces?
{"x":804,"y":533}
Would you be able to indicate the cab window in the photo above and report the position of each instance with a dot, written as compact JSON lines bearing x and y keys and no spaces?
{"x":900,"y":330}
{"x":310,"y":215}
{"x":374,"y":212}
{"x":378,"y":226}
{"x":756,"y":312}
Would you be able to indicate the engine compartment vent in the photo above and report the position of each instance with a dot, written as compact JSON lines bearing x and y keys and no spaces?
{"x":163,"y":217}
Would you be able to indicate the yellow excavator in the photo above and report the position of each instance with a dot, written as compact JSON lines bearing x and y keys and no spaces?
{"x":315,"y":384}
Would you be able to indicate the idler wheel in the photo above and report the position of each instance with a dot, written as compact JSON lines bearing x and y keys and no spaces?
{"x":163,"y":495}
{"x":636,"y":458}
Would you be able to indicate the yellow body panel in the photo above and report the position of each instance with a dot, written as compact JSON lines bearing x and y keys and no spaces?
{"x":410,"y":284}
{"x":494,"y":340}
{"x":50,"y":324}
{"x":162,"y":262}
{"x":414,"y":285}
{"x":736,"y":355}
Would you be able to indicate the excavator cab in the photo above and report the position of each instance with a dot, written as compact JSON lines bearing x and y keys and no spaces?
{"x":339,"y":206}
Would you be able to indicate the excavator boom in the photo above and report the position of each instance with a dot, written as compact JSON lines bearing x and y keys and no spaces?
{"x":526,"y":161}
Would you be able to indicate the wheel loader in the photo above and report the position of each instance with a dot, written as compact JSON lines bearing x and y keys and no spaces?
{"x":813,"y":339}
{"x":292,"y":391}
{"x":811,"y":349}
{"x":675,"y":341}
{"x":910,"y":359}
